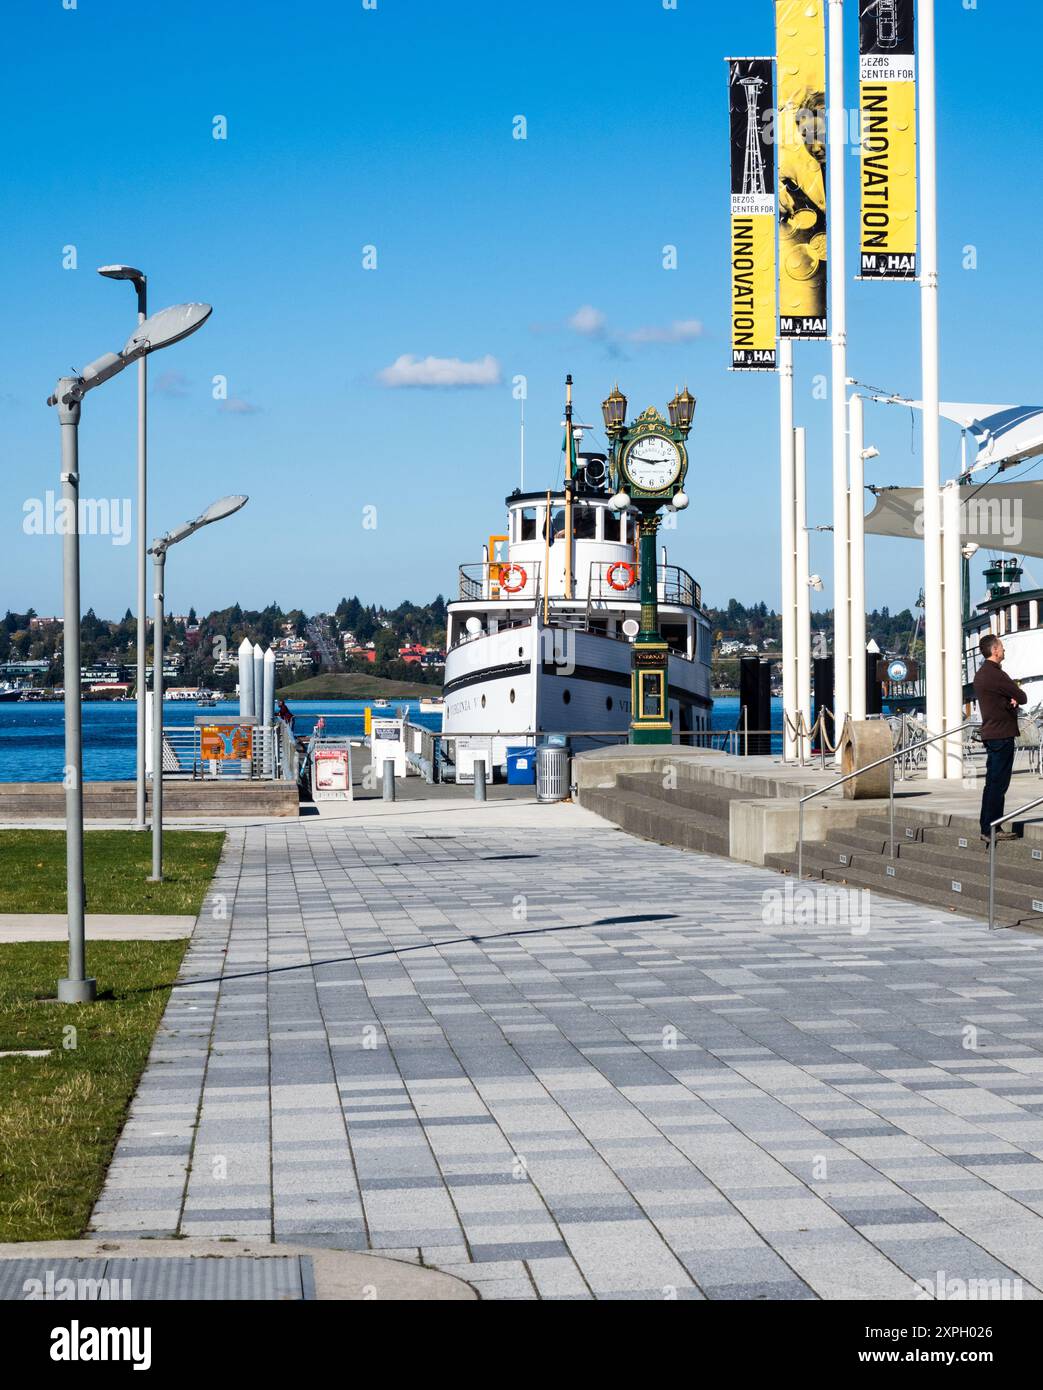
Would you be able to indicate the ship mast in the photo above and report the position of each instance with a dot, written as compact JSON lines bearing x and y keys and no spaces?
{"x":570,"y":446}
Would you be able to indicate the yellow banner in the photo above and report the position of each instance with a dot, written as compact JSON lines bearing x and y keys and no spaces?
{"x":887,"y":70}
{"x":800,"y":28}
{"x":751,"y":107}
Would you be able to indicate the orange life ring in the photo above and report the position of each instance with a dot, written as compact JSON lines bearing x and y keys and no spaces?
{"x":513,"y":570}
{"x":631,"y":575}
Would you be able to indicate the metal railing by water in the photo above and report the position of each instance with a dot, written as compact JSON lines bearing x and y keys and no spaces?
{"x":1000,"y":820}
{"x":850,"y":776}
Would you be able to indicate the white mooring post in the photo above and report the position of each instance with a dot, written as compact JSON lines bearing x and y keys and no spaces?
{"x":246,"y":677}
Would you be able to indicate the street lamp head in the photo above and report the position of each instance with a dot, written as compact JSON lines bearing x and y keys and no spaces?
{"x":223,"y":507}
{"x":614,"y":409}
{"x":871,"y":453}
{"x":682,"y":410}
{"x":619,"y":502}
{"x":122,"y":272}
{"x":168,"y":326}
{"x":217,"y":511}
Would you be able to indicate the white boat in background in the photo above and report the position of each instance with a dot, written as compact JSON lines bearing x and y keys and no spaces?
{"x":1016,"y":615}
{"x":524,"y":661}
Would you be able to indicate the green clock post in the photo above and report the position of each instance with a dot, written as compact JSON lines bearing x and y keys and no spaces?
{"x":649,"y":462}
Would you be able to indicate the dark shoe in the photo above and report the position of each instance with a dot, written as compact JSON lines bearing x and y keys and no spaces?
{"x":1001,"y":835}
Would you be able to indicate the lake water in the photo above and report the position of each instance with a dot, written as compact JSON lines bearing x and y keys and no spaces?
{"x":32,"y":739}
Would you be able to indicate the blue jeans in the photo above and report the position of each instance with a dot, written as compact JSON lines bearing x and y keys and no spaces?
{"x":998,"y":769}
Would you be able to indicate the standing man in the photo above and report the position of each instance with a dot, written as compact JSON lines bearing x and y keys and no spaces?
{"x":998,"y":699}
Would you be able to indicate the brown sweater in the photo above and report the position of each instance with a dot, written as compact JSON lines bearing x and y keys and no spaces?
{"x":994,"y":690}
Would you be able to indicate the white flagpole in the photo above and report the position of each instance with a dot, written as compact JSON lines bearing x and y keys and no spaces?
{"x":803,"y":575}
{"x":788,"y":543}
{"x":838,"y":313}
{"x":952,"y":575}
{"x":857,"y":555}
{"x":934,"y":625}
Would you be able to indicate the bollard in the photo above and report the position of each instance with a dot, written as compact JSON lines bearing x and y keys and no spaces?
{"x":479,"y":779}
{"x":389,"y":779}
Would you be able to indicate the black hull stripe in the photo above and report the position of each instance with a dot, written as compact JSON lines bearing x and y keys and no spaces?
{"x":580,"y":673}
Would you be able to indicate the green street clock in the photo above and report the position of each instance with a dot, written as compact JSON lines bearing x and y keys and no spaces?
{"x":650,"y":462}
{"x":653,"y":461}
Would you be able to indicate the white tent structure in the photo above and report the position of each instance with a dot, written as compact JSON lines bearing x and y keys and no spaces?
{"x":994,"y":516}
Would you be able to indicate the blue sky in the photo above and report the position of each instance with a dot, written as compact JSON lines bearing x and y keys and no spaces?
{"x":393,"y":128}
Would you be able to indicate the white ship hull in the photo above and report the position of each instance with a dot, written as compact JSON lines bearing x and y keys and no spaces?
{"x":506,"y":688}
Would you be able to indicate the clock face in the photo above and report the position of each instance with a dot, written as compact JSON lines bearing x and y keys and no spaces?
{"x":652,"y":462}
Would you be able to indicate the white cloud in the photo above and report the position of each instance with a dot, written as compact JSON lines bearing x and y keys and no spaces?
{"x":408,"y":370}
{"x":170,"y":383}
{"x":588,"y":321}
{"x":680,"y":331}
{"x":235,"y":405}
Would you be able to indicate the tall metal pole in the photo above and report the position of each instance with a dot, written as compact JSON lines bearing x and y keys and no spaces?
{"x":933,"y":602}
{"x":159,"y":556}
{"x":142,"y":695}
{"x":803,"y":574}
{"x":952,"y":577}
{"x":76,"y":987}
{"x":838,"y":312}
{"x":568,"y":486}
{"x":857,"y":555}
{"x":788,"y":546}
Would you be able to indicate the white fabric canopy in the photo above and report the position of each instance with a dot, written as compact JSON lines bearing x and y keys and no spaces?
{"x":1007,"y":517}
{"x":1003,"y":433}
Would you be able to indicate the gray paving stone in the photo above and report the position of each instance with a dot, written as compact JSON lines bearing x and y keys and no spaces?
{"x":639,"y":1091}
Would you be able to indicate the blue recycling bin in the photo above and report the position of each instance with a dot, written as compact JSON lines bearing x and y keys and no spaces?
{"x":521,"y":767}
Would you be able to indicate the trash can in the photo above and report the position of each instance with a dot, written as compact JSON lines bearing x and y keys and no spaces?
{"x":552,"y":773}
{"x":521,"y":766}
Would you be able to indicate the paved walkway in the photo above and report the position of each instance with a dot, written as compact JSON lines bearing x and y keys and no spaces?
{"x":99,"y":926}
{"x":562,"y":1062}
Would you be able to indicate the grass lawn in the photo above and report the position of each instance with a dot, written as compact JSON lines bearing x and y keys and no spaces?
{"x":60,"y":1115}
{"x":116,"y":865}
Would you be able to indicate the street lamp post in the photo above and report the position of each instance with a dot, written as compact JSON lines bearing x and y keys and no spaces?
{"x":140,"y":282}
{"x":649,"y":463}
{"x":217,"y":511}
{"x":164,"y":328}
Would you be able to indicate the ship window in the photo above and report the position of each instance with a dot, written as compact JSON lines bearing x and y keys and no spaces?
{"x":566,"y":696}
{"x":1023,"y":615}
{"x":483,"y":702}
{"x":557,"y":523}
{"x":584,"y":523}
{"x":608,"y":702}
{"x":528,"y":524}
{"x":512,"y":697}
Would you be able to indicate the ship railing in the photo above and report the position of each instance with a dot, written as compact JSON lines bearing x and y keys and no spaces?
{"x":607,"y":582}
{"x":492,"y":580}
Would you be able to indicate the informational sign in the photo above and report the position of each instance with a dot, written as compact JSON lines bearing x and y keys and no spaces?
{"x":225,"y":742}
{"x":801,"y":38}
{"x":387,"y":742}
{"x":331,"y":773}
{"x":887,"y":71}
{"x":751,"y":108}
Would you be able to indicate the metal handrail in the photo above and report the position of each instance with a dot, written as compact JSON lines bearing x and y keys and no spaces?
{"x":879,"y":762}
{"x":1009,"y":815}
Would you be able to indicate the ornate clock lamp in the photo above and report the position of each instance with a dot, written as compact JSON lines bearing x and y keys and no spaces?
{"x":649,"y":462}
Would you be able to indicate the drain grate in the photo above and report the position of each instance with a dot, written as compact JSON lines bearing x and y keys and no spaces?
{"x":155,"y":1279}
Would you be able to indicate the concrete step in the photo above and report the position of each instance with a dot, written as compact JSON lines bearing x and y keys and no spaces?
{"x":918,"y":879}
{"x":697,"y":795}
{"x":653,"y":818}
{"x":1014,"y":859}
